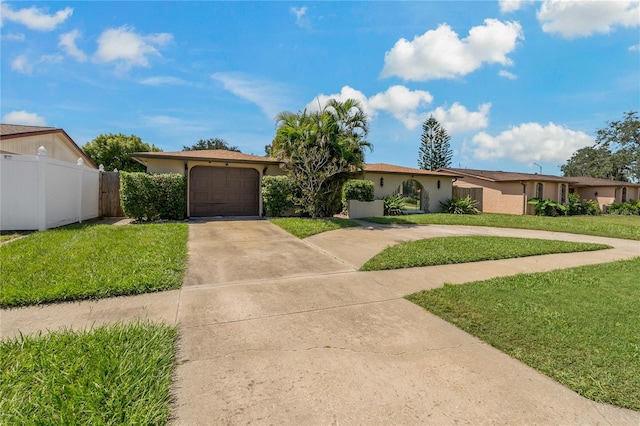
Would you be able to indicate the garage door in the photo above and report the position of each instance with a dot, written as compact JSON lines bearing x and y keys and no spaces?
{"x":224,"y":191}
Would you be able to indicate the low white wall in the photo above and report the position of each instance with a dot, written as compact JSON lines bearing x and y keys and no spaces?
{"x":358,"y":209}
{"x":38,"y":192}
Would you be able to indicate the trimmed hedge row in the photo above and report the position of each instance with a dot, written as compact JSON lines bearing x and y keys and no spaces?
{"x":147,"y":197}
{"x":356,"y":189}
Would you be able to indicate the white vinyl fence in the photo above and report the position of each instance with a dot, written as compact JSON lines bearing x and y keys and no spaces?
{"x":38,"y":192}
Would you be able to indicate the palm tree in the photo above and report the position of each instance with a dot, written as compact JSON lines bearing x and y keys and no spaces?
{"x":320,"y":150}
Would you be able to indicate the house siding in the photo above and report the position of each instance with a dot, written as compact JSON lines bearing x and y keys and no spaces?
{"x":392,"y":183}
{"x":499,"y":197}
{"x":57,"y":146}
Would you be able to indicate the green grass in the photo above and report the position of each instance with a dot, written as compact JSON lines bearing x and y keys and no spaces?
{"x":446,"y":250}
{"x":627,"y":227}
{"x":82,"y":261}
{"x":304,"y":227}
{"x":111,"y":375}
{"x":580,"y":326}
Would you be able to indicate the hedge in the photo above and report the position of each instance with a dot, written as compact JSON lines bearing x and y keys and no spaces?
{"x":147,"y":197}
{"x":356,"y":189}
{"x":278,"y":194}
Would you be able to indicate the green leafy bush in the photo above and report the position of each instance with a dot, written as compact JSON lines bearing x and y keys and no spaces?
{"x":574,"y":204}
{"x":630,"y":207}
{"x":590,"y":207}
{"x":393,"y":205}
{"x":356,"y":189}
{"x":456,"y":205}
{"x":278,"y":194}
{"x":549,"y":207}
{"x":147,"y":197}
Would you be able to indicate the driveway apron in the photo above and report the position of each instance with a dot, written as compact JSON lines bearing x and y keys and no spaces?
{"x":275,"y":330}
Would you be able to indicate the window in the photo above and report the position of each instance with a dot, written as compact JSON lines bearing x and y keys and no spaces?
{"x":539,"y":190}
{"x":624,"y":194}
{"x":563,"y":193}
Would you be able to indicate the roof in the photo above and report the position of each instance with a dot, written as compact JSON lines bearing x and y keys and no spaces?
{"x":20,"y":130}
{"x":390,"y":168}
{"x":15,"y":131}
{"x":207,"y":155}
{"x":499,"y":176}
{"x":589,"y":181}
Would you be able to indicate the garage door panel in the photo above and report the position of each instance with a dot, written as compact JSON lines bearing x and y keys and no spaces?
{"x":224,"y":191}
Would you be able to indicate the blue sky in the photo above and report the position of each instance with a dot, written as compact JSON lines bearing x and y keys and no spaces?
{"x":514,"y":82}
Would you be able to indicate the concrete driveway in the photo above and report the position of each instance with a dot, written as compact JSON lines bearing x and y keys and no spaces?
{"x":275,"y":330}
{"x":296,"y":336}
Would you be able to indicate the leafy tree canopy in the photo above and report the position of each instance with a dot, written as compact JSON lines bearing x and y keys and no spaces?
{"x":615,"y":154}
{"x":320,"y":150}
{"x":113,"y":151}
{"x":215,"y":143}
{"x":435,"y":146}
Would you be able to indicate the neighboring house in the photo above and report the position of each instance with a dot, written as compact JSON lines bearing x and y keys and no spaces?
{"x":604,"y":191}
{"x":227,"y":183}
{"x":26,"y":140}
{"x":509,"y":192}
{"x":46,"y":180}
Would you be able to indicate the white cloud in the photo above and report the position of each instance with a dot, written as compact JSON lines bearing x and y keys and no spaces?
{"x":25,"y":118}
{"x":573,"y":18}
{"x":68,"y":43}
{"x":530,"y":142}
{"x":458,"y":119}
{"x":301,"y":20}
{"x":34,"y":18}
{"x":163,"y":81}
{"x":634,"y":48}
{"x":402,"y":103}
{"x":270,"y":97}
{"x":346,"y":92}
{"x":408,"y":107}
{"x":12,"y":37}
{"x":507,"y":74}
{"x":507,"y":6}
{"x":440,"y":53}
{"x":128,"y":48}
{"x":22,"y":65}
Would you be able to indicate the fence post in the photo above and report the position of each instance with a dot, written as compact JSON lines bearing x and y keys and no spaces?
{"x":42,"y":189}
{"x":80,"y":164}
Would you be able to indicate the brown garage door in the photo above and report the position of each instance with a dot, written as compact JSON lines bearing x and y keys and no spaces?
{"x":224,"y":191}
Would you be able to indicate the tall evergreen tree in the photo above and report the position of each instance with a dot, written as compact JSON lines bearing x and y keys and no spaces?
{"x":435,"y":149}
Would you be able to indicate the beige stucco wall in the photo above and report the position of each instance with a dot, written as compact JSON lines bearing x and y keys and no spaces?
{"x":432,"y":195}
{"x":57,"y":146}
{"x":498,"y":197}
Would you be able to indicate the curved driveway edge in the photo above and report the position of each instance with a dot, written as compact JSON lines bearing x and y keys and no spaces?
{"x":335,"y":346}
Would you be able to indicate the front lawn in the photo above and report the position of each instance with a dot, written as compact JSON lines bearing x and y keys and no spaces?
{"x":615,"y":226}
{"x":111,"y":375}
{"x":579,"y":326}
{"x":305,"y":227}
{"x":92,"y":261}
{"x":446,"y":250}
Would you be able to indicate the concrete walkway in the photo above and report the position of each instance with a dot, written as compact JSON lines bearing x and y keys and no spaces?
{"x":275,"y":330}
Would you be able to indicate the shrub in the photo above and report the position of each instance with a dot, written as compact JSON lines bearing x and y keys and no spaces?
{"x":148,"y":197}
{"x":393,"y":205}
{"x":456,"y":205}
{"x":549,"y":207}
{"x":356,"y":189}
{"x":278,"y":193}
{"x":630,"y":207}
{"x":590,"y":207}
{"x":574,"y":204}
